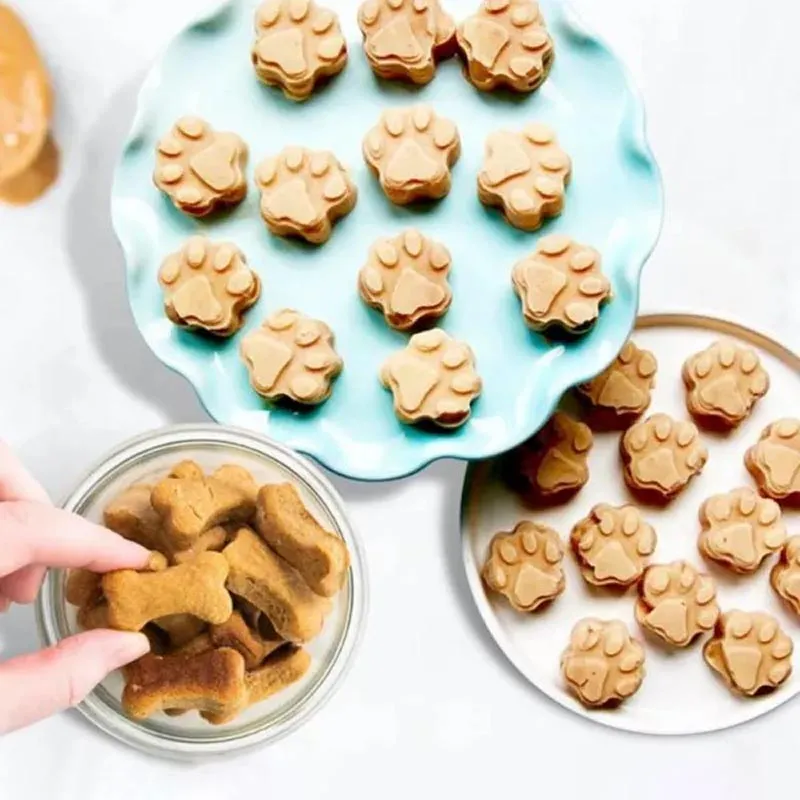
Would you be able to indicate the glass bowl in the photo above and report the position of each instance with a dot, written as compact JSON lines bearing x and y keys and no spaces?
{"x":189,"y":736}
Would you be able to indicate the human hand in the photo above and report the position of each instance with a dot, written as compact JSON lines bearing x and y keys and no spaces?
{"x":33,"y":536}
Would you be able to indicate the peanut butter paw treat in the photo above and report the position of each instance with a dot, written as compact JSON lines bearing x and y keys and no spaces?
{"x":505,"y":43}
{"x":660,"y":456}
{"x":774,"y":461}
{"x":285,"y":524}
{"x":292,"y":357}
{"x":561,"y":286}
{"x":750,"y":652}
{"x":524,"y":565}
{"x":524,"y":174}
{"x":676,"y":602}
{"x":303,"y":192}
{"x":603,"y":664}
{"x":404,"y":39}
{"x":236,"y":634}
{"x":622,"y":392}
{"x":208,"y":286}
{"x":411,"y":151}
{"x":740,"y":529}
{"x":131,"y":515}
{"x":785,"y":575}
{"x":406,"y":279}
{"x":723,"y":383}
{"x":613,"y":545}
{"x":199,"y":169}
{"x":433,"y":379}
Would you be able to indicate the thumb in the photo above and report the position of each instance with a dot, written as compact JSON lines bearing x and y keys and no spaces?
{"x":35,"y":686}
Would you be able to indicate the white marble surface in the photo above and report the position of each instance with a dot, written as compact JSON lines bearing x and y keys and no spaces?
{"x":430,"y":705}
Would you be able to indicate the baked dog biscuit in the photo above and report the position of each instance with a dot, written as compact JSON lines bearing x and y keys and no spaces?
{"x":208,"y":286}
{"x":180,"y":628}
{"x":298,"y":44}
{"x":411,"y":151}
{"x":432,"y":379}
{"x":603,"y":664}
{"x":92,"y":617}
{"x":404,"y":39}
{"x":525,"y":174}
{"x":561,"y":285}
{"x":524,"y":565}
{"x":236,"y":634}
{"x":774,"y":461}
{"x":660,"y":456}
{"x":405,"y":278}
{"x":613,"y":545}
{"x":785,"y":575}
{"x":740,"y":529}
{"x":750,"y":651}
{"x":676,"y":602}
{"x":197,"y":588}
{"x":505,"y":43}
{"x":292,"y":357}
{"x":210,"y":681}
{"x":83,"y":588}
{"x":186,"y":469}
{"x":303,"y":192}
{"x":200,"y":169}
{"x":131,"y":515}
{"x":271,"y":584}
{"x":622,"y":392}
{"x":723,"y":383}
{"x":212,"y":539}
{"x":285,"y":524}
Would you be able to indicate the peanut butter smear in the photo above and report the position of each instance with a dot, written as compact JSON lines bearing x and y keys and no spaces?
{"x":28,"y":155}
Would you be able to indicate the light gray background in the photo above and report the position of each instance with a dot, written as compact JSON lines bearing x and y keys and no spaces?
{"x":430,"y":705}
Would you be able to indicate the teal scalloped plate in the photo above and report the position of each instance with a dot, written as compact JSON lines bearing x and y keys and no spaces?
{"x":614,"y":203}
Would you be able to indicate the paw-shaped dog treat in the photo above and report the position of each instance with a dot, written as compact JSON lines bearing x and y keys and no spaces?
{"x":201,"y":169}
{"x":298,"y":44}
{"x":785,"y":575}
{"x":552,"y":464}
{"x":433,"y":379}
{"x":404,"y":39}
{"x":661,"y":455}
{"x":622,"y":392}
{"x":406,"y":279}
{"x":505,"y":43}
{"x":525,"y":175}
{"x":524,"y":565}
{"x":208,"y":285}
{"x":740,"y":529}
{"x":676,"y":602}
{"x":774,"y":461}
{"x":561,"y":285}
{"x":603,"y":664}
{"x":613,"y":545}
{"x":292,"y":357}
{"x":723,"y":383}
{"x":750,"y":651}
{"x":303,"y":192}
{"x":411,"y":151}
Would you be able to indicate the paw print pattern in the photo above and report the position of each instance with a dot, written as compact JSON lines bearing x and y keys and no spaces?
{"x":303,"y":192}
{"x":774,"y":461}
{"x":561,"y":285}
{"x":603,"y":664}
{"x":505,"y":43}
{"x":676,"y":602}
{"x":404,"y":39}
{"x":613,"y":545}
{"x":406,"y":279}
{"x":622,"y":392}
{"x":411,"y":151}
{"x":433,"y":379}
{"x":524,"y":565}
{"x":785,"y":575}
{"x":723,"y":383}
{"x":740,"y":529}
{"x":298,"y":44}
{"x":525,"y":174}
{"x":750,"y":652}
{"x":199,"y":169}
{"x":208,"y":286}
{"x":292,"y":357}
{"x":661,"y":455}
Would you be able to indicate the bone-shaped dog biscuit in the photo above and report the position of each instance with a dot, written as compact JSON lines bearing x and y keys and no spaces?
{"x":237,"y":634}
